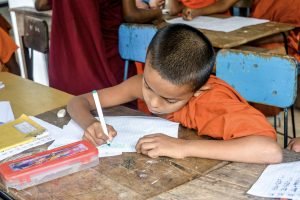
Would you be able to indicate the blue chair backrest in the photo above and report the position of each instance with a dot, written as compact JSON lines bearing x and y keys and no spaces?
{"x":134,"y":40}
{"x":259,"y":77}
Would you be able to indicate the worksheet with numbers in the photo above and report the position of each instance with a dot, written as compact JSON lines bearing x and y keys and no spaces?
{"x":279,"y":181}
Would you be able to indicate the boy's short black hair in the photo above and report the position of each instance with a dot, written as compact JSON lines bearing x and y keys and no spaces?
{"x":182,"y":55}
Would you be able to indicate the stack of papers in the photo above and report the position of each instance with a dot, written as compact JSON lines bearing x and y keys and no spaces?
{"x":19,"y":131}
{"x":51,"y":130}
{"x":219,"y":24}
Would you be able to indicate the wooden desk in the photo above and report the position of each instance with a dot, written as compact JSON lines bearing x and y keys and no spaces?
{"x":246,"y":34}
{"x":134,"y":176}
{"x":29,"y":97}
{"x":135,"y":38}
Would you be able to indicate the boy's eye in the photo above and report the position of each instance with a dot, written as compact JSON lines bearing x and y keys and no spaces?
{"x":146,"y":86}
{"x":171,"y":101}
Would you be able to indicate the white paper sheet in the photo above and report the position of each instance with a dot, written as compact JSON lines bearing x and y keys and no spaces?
{"x":129,"y":129}
{"x":53,"y":132}
{"x":6,"y":113}
{"x":218,"y":24}
{"x":279,"y":181}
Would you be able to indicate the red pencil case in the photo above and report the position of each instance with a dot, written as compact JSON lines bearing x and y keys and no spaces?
{"x":48,"y":165}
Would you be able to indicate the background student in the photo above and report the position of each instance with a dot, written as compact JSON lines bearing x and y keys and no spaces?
{"x":193,"y":8}
{"x":7,"y":49}
{"x":84,"y":41}
{"x":285,"y":11}
{"x":177,"y":85}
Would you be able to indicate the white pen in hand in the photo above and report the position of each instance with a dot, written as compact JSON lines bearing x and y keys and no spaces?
{"x":100,"y":114}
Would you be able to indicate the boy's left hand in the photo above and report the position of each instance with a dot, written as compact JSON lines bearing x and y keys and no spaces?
{"x":156,"y":145}
{"x":188,"y":14}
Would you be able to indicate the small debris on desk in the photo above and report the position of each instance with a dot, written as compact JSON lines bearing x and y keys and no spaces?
{"x":61,"y":113}
{"x":128,"y":163}
{"x":141,"y":174}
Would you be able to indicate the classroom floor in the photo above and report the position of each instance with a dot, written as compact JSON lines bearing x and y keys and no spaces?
{"x":290,"y":130}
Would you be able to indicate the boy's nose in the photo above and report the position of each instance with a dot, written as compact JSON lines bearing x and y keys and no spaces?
{"x":155,"y":101}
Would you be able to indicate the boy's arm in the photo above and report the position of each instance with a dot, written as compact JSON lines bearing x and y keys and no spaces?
{"x":133,"y":14}
{"x":218,"y":7}
{"x":79,"y":107}
{"x":42,"y":5}
{"x":249,"y":149}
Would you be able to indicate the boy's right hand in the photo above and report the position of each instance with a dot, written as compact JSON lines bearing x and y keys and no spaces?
{"x":95,"y":134}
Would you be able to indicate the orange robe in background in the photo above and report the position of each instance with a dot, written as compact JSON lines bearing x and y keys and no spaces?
{"x":197,"y":3}
{"x":7,"y":48}
{"x":223,"y":114}
{"x":194,"y":4}
{"x":285,"y":11}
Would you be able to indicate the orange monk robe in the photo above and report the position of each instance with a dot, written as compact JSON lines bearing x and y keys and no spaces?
{"x":285,"y":11}
{"x":222,"y":113}
{"x":197,"y":3}
{"x":194,"y":4}
{"x":7,"y":48}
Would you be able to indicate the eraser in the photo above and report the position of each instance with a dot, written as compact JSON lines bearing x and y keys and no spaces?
{"x":61,"y":113}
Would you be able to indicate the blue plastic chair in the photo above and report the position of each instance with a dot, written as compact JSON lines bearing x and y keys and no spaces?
{"x":134,"y":41}
{"x":261,"y":78}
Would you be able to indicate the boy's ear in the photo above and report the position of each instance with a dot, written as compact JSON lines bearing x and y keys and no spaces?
{"x":202,"y":89}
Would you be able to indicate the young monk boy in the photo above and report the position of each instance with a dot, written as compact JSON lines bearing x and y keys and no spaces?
{"x":177,"y":85}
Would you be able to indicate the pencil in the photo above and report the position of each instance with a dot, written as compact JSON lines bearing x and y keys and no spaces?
{"x":100,"y":114}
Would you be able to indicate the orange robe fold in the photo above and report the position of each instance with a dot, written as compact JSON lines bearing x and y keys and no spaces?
{"x":7,"y":48}
{"x":197,"y":3}
{"x":285,"y":11}
{"x":222,"y":113}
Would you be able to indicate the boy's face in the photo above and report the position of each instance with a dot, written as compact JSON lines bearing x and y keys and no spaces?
{"x":161,"y":96}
